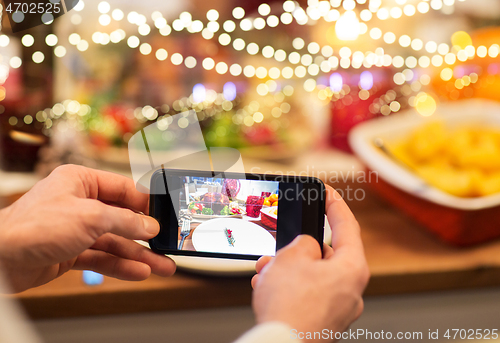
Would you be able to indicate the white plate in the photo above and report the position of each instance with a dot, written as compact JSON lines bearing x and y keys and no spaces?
{"x":214,"y":216}
{"x":221,"y":266}
{"x":474,"y":112}
{"x":249,"y":238}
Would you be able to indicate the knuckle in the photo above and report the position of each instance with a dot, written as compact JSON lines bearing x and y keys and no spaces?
{"x":66,"y":169}
{"x":92,"y":215}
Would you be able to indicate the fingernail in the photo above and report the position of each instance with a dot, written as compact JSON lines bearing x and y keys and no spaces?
{"x":152,"y":227}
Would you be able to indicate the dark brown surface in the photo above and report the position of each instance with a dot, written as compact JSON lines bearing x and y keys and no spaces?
{"x":402,"y":257}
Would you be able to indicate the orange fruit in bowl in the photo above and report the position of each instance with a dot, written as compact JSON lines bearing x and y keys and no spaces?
{"x":273,"y":197}
{"x":275,"y":203}
{"x":266,"y":202}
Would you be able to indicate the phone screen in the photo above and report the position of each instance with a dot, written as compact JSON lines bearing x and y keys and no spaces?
{"x":243,"y":216}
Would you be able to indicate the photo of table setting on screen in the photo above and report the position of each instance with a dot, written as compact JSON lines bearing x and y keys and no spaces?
{"x":232,"y":216}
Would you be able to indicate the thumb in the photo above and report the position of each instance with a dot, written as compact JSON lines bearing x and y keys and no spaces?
{"x":302,"y":246}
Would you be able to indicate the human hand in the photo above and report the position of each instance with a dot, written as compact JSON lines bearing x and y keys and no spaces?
{"x":79,"y":218}
{"x":309,"y":292}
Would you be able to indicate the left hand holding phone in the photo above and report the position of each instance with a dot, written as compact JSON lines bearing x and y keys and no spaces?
{"x":79,"y":218}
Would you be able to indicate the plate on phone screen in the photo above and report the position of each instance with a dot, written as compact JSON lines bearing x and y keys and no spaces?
{"x":233,"y":236}
{"x":221,"y":266}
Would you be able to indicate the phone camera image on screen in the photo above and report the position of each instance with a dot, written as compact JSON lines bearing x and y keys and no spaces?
{"x":230,"y":216}
{"x":206,"y":215}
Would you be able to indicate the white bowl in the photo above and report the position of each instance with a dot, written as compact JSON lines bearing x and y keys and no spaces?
{"x":476,"y":112}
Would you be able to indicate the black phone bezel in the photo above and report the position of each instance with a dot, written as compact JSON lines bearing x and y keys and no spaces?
{"x":156,"y":201}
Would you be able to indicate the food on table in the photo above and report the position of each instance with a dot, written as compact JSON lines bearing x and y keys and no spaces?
{"x":225,"y":211}
{"x":254,"y":204}
{"x":215,"y":201}
{"x":464,"y":161}
{"x":234,"y":208}
{"x":195,"y":207}
{"x":207,"y":211}
{"x":229,"y":236}
{"x":271,"y":200}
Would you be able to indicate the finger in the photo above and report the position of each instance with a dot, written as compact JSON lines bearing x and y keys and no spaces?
{"x":327,"y":251}
{"x":121,"y":247}
{"x":303,"y":246}
{"x":117,"y":267}
{"x":100,"y":218}
{"x":262,"y":262}
{"x":109,"y":187}
{"x":346,"y":236}
{"x":254,"y":281}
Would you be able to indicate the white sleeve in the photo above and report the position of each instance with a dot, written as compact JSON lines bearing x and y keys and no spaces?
{"x":272,"y":332}
{"x":14,"y":326}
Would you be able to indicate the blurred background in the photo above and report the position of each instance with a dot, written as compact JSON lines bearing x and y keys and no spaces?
{"x":408,"y":89}
{"x":275,"y":79}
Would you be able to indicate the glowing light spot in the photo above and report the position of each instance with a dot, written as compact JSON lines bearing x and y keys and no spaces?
{"x":15,"y":62}
{"x":446,"y":74}
{"x":389,"y":37}
{"x":366,"y":80}
{"x":313,"y":48}
{"x":252,"y":48}
{"x":404,"y":41}
{"x":229,"y":91}
{"x":176,"y":59}
{"x":298,"y":43}
{"x":461,"y":39}
{"x":208,"y":63}
{"x":145,"y":49}
{"x":82,"y":45}
{"x":221,"y":68}
{"x":264,"y":9}
{"x":482,"y":51}
{"x":161,"y":54}
{"x":117,"y":14}
{"x":38,"y":57}
{"x":104,"y":19}
{"x":199,"y":93}
{"x":212,"y":15}
{"x":224,"y":39}
{"x":27,"y":40}
{"x":235,"y":69}
{"x":74,"y":38}
{"x":347,"y":27}
{"x":190,"y":62}
{"x":261,"y":72}
{"x":336,"y":82}
{"x":229,"y":26}
{"x":60,"y":51}
{"x":425,"y":104}
{"x":238,"y":13}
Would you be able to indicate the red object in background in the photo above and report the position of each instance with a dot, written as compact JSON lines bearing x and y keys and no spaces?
{"x":269,"y":221}
{"x":454,"y":226}
{"x":254,"y":205}
{"x":231,"y":187}
{"x":265,"y":194}
{"x":350,"y":110}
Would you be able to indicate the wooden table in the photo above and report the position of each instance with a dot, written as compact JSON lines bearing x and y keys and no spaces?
{"x":402,"y":258}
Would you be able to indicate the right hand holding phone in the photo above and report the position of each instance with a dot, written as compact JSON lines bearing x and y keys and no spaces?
{"x":309,"y":292}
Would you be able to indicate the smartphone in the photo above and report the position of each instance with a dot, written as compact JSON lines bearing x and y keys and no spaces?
{"x":233,"y":215}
